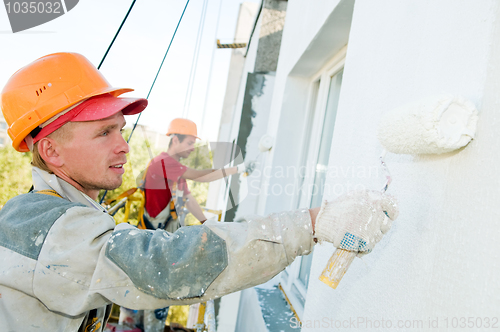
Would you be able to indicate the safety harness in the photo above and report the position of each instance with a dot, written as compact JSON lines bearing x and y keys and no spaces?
{"x":177,"y":203}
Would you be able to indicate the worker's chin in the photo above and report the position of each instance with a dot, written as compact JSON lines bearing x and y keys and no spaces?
{"x":113,"y":185}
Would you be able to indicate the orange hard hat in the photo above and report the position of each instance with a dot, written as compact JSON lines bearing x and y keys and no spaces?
{"x":47,"y":86}
{"x":182,"y":127}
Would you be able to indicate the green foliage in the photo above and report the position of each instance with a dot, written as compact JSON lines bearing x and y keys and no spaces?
{"x":178,"y":314}
{"x":15,"y":173}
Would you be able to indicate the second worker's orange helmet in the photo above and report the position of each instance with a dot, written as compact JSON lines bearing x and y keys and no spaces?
{"x":182,"y":126}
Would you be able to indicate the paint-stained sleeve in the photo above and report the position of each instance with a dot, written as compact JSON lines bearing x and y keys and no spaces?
{"x":93,"y":263}
{"x":260,"y":248}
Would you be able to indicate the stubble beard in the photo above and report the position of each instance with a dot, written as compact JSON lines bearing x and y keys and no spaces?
{"x":103,"y":185}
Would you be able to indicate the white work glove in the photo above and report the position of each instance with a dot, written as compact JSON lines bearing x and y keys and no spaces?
{"x":246,"y":167}
{"x":357,"y":220}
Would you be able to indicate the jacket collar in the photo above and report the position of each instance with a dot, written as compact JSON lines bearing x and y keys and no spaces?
{"x":43,"y":180}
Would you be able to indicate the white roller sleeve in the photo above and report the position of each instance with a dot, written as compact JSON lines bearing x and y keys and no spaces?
{"x":265,"y":143}
{"x":431,"y":126}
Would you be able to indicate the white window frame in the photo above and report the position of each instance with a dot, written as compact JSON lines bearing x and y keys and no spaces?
{"x":290,"y":282}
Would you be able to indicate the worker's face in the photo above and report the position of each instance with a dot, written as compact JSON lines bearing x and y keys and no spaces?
{"x":186,"y":146}
{"x":95,"y":154}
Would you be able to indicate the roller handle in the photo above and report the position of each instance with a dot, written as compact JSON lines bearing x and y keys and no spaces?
{"x":341,"y":259}
{"x":336,"y":267}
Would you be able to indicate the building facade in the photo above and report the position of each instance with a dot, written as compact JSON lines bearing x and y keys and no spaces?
{"x":339,"y":66}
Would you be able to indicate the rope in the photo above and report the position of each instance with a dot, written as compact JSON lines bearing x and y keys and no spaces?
{"x":194,"y":64}
{"x":154,"y":81}
{"x":210,"y":74}
{"x":116,"y":35}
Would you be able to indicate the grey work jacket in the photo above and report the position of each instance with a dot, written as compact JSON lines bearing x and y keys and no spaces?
{"x":63,"y":257}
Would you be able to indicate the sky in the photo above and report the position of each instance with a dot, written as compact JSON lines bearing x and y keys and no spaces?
{"x":136,"y":55}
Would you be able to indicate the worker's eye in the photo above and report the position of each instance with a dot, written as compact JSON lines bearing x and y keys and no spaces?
{"x":105,"y":133}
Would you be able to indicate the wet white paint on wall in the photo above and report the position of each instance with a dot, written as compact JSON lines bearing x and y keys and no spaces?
{"x":259,"y":103}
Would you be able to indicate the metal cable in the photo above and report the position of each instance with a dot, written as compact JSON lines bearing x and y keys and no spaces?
{"x":154,"y":81}
{"x":116,"y":35}
{"x":194,"y":64}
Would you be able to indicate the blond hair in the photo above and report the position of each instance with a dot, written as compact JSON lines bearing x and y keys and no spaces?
{"x":60,"y":135}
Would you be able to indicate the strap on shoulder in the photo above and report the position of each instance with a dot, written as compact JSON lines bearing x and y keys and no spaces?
{"x":49,"y":192}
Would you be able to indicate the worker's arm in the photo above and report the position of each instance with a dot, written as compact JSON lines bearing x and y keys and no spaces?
{"x":208,"y":175}
{"x":142,"y":269}
{"x":193,"y":207}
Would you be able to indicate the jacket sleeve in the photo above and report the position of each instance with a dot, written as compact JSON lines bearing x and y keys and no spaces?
{"x":86,"y":262}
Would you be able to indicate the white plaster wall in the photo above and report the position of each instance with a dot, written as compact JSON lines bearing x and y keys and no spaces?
{"x":250,"y":188}
{"x":303,"y":20}
{"x":231,"y":116}
{"x":229,"y":131}
{"x":251,"y":55}
{"x":246,"y":19}
{"x":441,"y":259}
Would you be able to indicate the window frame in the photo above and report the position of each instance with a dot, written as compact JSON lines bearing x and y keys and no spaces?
{"x":317,"y":101}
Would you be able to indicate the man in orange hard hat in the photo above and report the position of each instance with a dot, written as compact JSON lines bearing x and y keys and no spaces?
{"x":164,"y":182}
{"x":166,"y":168}
{"x":63,"y":258}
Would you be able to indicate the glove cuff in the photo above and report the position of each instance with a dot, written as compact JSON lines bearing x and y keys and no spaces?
{"x":324,"y":223}
{"x":241,"y":168}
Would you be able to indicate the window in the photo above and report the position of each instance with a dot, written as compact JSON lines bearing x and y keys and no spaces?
{"x":3,"y":125}
{"x":326,"y":139}
{"x":2,"y":141}
{"x":322,"y":111}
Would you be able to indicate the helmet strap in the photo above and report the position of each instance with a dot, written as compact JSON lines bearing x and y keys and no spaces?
{"x":29,"y":142}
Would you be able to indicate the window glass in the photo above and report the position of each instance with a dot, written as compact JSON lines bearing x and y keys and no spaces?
{"x":302,"y":170}
{"x":318,"y":136}
{"x":326,"y":139}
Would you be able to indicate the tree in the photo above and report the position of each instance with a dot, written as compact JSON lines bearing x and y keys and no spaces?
{"x":15,"y":173}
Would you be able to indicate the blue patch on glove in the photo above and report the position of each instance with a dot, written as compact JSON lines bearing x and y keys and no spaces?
{"x":353,"y":243}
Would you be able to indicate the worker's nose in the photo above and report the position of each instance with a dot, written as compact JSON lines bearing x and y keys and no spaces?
{"x":122,"y":145}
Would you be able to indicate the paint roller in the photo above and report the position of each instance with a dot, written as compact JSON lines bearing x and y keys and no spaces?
{"x":265,"y":145}
{"x":431,"y":126}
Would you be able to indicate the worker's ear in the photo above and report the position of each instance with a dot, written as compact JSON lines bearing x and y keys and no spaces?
{"x":175,"y":139}
{"x":49,"y":151}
